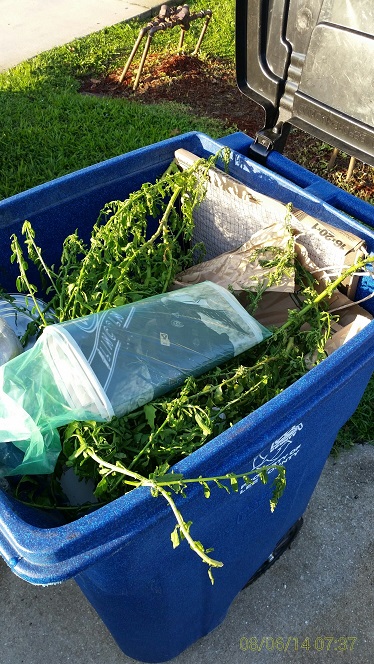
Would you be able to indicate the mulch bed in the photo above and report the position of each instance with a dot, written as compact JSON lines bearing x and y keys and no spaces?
{"x":208,"y":88}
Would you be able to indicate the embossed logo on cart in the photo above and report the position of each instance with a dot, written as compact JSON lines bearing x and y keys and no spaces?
{"x":279,"y":453}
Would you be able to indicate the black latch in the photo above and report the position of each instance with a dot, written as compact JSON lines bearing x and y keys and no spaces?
{"x":267,"y":140}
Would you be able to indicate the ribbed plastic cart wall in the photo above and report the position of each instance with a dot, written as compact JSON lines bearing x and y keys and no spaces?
{"x":156,"y":601}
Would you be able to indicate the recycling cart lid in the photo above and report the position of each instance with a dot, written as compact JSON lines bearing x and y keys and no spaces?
{"x":309,"y":63}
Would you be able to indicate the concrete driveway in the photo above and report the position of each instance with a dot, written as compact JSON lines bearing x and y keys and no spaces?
{"x":29,"y":27}
{"x":315,"y":604}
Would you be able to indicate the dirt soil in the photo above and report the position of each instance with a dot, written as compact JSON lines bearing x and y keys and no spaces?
{"x":208,"y":88}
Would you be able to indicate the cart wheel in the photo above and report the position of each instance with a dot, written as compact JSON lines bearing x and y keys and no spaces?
{"x":280,"y":548}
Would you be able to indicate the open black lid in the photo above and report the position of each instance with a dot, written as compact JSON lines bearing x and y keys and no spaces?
{"x":309,"y":63}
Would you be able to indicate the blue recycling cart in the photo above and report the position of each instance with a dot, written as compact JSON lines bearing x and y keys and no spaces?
{"x":121,"y":555}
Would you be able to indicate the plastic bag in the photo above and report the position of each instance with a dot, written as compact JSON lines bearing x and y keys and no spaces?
{"x":19,"y":312}
{"x":9,"y":343}
{"x":112,"y":362}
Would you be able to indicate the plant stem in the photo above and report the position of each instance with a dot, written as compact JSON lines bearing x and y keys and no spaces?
{"x":31,"y":289}
{"x":27,"y":230}
{"x":326,"y":293}
{"x":215,"y":478}
{"x":161,"y":227}
{"x":184,"y":530}
{"x":152,"y":484}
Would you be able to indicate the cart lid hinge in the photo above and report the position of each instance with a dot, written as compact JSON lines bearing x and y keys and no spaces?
{"x":267,"y":140}
{"x":275,"y":133}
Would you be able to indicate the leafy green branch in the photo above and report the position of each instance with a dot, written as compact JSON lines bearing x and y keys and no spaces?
{"x":122,"y":263}
{"x":178,"y":483}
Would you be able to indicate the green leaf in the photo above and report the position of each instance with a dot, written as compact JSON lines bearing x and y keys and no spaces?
{"x":150,"y":414}
{"x":206,"y":490}
{"x":187,"y":525}
{"x":78,"y":452}
{"x":70,"y":429}
{"x":199,"y":546}
{"x":234,"y":483}
{"x":101,"y":487}
{"x":174,"y":536}
{"x":222,"y":486}
{"x":218,"y":396}
{"x":247,"y":480}
{"x":119,"y":301}
{"x":263,"y":475}
{"x":204,"y":428}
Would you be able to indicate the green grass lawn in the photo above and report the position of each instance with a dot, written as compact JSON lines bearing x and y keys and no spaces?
{"x":48,"y":129}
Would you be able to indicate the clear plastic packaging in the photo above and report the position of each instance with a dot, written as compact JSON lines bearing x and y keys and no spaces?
{"x":110,"y":363}
{"x":10,"y":345}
